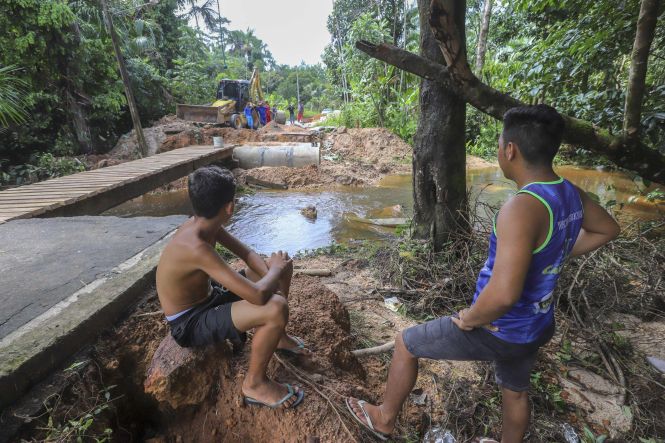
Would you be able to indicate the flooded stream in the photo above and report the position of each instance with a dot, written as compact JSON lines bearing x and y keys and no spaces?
{"x":271,"y":220}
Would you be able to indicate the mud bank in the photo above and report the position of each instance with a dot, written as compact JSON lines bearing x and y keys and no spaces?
{"x":106,"y":385}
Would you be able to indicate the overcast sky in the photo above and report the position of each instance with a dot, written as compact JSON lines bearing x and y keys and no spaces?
{"x":294,"y":30}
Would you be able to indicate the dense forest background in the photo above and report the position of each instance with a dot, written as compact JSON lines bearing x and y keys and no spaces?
{"x":64,"y":97}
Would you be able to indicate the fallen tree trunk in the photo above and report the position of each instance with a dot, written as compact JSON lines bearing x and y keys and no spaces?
{"x":645,"y":161}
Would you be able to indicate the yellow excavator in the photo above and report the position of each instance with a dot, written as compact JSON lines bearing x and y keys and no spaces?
{"x":229,"y":106}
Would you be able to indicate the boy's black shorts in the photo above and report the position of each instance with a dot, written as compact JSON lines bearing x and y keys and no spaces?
{"x":210,"y":322}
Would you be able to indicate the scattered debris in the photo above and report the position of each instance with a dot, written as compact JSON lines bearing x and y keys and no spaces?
{"x":393,"y":303}
{"x":438,"y":434}
{"x":569,"y":434}
{"x":418,"y":397}
{"x":657,"y":363}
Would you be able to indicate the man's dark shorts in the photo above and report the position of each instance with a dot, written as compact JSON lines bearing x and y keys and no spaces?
{"x":210,"y":322}
{"x":441,"y":339}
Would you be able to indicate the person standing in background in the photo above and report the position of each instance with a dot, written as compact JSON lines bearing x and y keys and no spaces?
{"x":248,"y":115}
{"x":301,"y":111}
{"x":268,"y":116}
{"x":262,"y":113}
{"x":292,"y":115}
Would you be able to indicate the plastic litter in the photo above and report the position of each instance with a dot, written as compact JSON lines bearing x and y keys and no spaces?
{"x":657,"y":363}
{"x":569,"y":434}
{"x":439,"y":435}
{"x":392,"y":303}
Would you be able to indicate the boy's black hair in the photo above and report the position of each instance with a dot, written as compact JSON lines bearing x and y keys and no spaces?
{"x":537,"y":131}
{"x":210,"y":188}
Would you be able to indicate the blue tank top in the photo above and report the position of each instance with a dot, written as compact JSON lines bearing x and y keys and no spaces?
{"x":534,"y":311}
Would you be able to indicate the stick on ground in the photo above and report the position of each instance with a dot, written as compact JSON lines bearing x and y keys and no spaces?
{"x":375,"y":350}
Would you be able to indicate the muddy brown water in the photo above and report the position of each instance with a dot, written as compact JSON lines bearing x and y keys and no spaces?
{"x":271,"y":220}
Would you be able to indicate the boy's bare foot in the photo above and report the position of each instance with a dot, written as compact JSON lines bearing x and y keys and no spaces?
{"x":270,"y":392}
{"x":379,"y":423}
{"x":294,"y":345}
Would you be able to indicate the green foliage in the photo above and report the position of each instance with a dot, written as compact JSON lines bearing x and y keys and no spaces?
{"x":550,"y":392}
{"x":482,"y":135}
{"x":12,"y":97}
{"x":81,"y":428}
{"x":67,"y":99}
{"x":589,"y":437}
{"x":380,"y":95}
{"x":49,"y":166}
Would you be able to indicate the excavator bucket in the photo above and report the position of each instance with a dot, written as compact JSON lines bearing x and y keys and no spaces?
{"x":197,"y":113}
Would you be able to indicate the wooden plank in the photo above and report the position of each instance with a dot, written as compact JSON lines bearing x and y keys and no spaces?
{"x":5,"y":203}
{"x":30,"y":205}
{"x":96,"y":190}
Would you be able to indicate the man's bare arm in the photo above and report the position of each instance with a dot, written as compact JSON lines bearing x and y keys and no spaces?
{"x":257,"y":293}
{"x":598,"y":227}
{"x":519,"y":229}
{"x":254,"y":261}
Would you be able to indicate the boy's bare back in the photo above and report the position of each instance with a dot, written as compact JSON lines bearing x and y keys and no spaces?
{"x":181,"y":284}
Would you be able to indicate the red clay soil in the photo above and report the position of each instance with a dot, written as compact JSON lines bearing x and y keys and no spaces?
{"x":124,"y":356}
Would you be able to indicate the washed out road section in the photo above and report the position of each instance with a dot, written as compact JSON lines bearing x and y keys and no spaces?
{"x":44,"y":261}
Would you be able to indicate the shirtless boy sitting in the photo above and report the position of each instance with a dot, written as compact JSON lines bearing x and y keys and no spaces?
{"x":206,"y":301}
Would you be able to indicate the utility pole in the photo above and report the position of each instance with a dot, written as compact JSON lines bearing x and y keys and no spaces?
{"x":136,"y":120}
{"x":298,"y":84}
{"x":221,"y":35}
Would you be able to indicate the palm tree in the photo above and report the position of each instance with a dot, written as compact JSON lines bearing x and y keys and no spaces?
{"x":204,"y":11}
{"x":13,"y":92}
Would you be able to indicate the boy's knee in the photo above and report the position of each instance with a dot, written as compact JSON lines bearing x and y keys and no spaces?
{"x":278,"y":309}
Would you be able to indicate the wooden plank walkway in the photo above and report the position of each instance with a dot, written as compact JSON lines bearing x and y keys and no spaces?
{"x":92,"y":192}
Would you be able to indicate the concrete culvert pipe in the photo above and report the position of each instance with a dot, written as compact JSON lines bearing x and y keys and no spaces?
{"x":280,"y":117}
{"x":294,"y":156}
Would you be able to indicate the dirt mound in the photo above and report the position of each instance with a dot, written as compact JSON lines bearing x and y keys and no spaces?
{"x":375,"y":145}
{"x":215,"y":411}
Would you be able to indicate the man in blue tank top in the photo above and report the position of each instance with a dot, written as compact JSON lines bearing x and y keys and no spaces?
{"x":512,"y":314}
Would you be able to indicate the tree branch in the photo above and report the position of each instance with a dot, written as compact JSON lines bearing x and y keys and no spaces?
{"x":646,"y":162}
{"x":374,"y":350}
{"x":646,"y":25}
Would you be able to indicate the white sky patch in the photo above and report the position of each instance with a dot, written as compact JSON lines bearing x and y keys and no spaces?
{"x":294,"y":30}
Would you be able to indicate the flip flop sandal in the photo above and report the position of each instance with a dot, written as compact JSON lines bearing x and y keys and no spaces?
{"x":299,"y":397}
{"x":300,"y":345}
{"x":369,"y":426}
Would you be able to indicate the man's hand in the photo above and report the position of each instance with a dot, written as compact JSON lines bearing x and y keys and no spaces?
{"x":464,"y":326}
{"x":279,"y":260}
{"x":459,"y":320}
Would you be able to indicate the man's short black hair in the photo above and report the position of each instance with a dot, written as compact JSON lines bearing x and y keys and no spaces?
{"x":210,"y":188}
{"x":537,"y":131}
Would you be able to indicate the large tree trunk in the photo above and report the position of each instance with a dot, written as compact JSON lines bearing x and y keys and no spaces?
{"x":439,"y":159}
{"x":482,"y":37}
{"x":646,"y":25}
